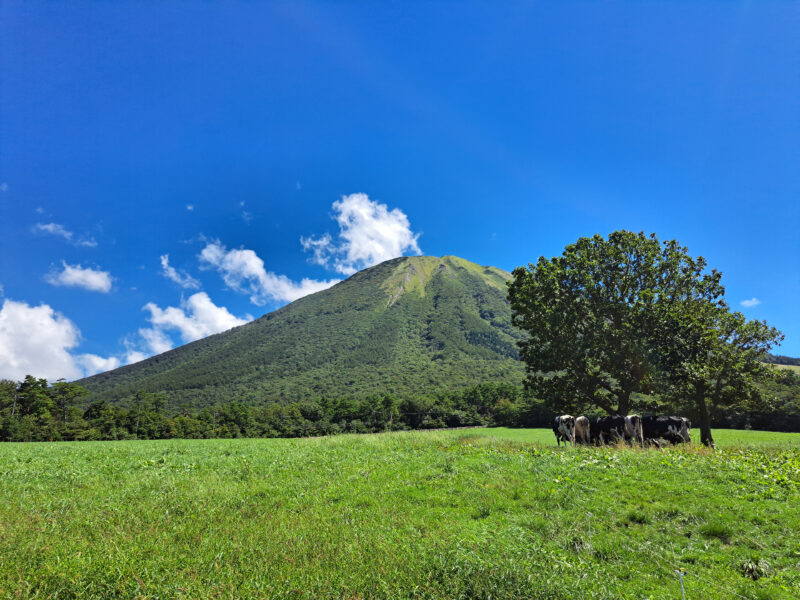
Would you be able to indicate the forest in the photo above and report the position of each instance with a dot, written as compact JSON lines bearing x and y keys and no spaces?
{"x":35,"y":410}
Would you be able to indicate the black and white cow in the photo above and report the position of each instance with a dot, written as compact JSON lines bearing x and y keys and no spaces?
{"x":608,"y":430}
{"x":633,"y":430}
{"x":582,"y":431}
{"x":611,"y":429}
{"x":564,"y":428}
{"x":673,"y":429}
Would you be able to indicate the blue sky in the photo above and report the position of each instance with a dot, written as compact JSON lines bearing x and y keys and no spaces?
{"x":268,"y":149}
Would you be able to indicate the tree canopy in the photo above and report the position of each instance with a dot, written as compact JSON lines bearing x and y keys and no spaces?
{"x":626,"y":315}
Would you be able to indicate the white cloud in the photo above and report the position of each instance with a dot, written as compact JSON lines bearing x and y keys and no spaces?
{"x":36,"y":340}
{"x":196,"y":318}
{"x":190,"y":207}
{"x":92,"y":363}
{"x":77,"y":276}
{"x":750,"y":303}
{"x":61,"y":231}
{"x":132,"y":353}
{"x":156,"y":339}
{"x":369,"y":233}
{"x":183,"y":279}
{"x":242,"y":270}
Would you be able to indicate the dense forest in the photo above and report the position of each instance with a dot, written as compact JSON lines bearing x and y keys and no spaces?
{"x":410,"y":325}
{"x":34,"y":410}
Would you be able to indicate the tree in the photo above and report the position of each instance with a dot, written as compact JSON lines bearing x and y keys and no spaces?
{"x":33,"y":398}
{"x":66,"y":394}
{"x":628,"y":314}
{"x":717,"y":358}
{"x":589,"y":312}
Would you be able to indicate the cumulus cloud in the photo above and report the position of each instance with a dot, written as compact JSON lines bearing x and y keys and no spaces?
{"x":132,"y":353}
{"x":750,"y":303}
{"x":243,"y":271}
{"x":156,"y":340}
{"x":77,"y":276}
{"x":197,"y":317}
{"x":92,"y":363}
{"x":369,"y":233}
{"x":62,"y":232}
{"x":36,"y":340}
{"x":182,"y":278}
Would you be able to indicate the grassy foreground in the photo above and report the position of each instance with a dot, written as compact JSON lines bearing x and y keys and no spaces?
{"x":449,"y":514}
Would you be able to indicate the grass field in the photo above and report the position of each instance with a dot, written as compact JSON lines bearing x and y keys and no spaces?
{"x":449,"y":514}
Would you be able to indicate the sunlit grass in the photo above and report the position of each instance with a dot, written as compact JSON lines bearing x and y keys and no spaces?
{"x":471,"y":513}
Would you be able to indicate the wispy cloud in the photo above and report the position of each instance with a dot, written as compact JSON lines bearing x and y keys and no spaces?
{"x":83,"y":277}
{"x":190,"y":207}
{"x":369,"y":233}
{"x":243,"y":271}
{"x":182,"y":278}
{"x":750,"y":303}
{"x":60,"y":231}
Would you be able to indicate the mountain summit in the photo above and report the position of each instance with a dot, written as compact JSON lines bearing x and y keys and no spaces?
{"x":407,"y":326}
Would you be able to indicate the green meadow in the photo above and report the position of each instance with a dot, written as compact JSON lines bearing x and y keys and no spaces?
{"x":483,"y":513}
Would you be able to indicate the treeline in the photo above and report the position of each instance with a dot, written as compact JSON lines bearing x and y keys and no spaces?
{"x":33,"y":410}
{"x":779,"y":359}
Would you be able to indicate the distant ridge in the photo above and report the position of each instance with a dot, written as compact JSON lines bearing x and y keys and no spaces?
{"x":408,"y":326}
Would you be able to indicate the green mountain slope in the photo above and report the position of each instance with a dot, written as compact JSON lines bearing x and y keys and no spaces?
{"x":408,"y":326}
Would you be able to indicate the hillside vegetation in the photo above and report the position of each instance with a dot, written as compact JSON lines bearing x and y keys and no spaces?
{"x":490,"y":513}
{"x":408,"y":326}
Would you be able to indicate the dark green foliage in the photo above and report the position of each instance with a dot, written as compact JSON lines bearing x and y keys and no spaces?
{"x":148,"y":416}
{"x":586,"y":314}
{"x":613,"y":321}
{"x":409,"y":327}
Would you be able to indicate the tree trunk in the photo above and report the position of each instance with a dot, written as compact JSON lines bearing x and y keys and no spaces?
{"x":624,"y":402}
{"x":705,"y":419}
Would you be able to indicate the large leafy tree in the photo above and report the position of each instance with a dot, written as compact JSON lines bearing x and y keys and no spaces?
{"x":613,"y":317}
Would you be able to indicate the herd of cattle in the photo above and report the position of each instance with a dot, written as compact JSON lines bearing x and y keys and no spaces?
{"x":632,"y":428}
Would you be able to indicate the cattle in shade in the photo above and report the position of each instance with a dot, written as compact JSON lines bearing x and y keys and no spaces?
{"x":608,"y":430}
{"x":582,"y":431}
{"x":611,"y":429}
{"x":564,"y":428}
{"x":633,"y":429}
{"x":673,"y":429}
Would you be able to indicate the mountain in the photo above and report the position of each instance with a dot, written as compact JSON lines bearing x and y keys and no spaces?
{"x":408,"y":326}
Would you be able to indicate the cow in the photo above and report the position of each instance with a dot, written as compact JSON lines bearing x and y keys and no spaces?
{"x":582,"y":431}
{"x":673,"y":429}
{"x":608,"y":430}
{"x":564,"y":428}
{"x":611,"y":429}
{"x":633,"y":429}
